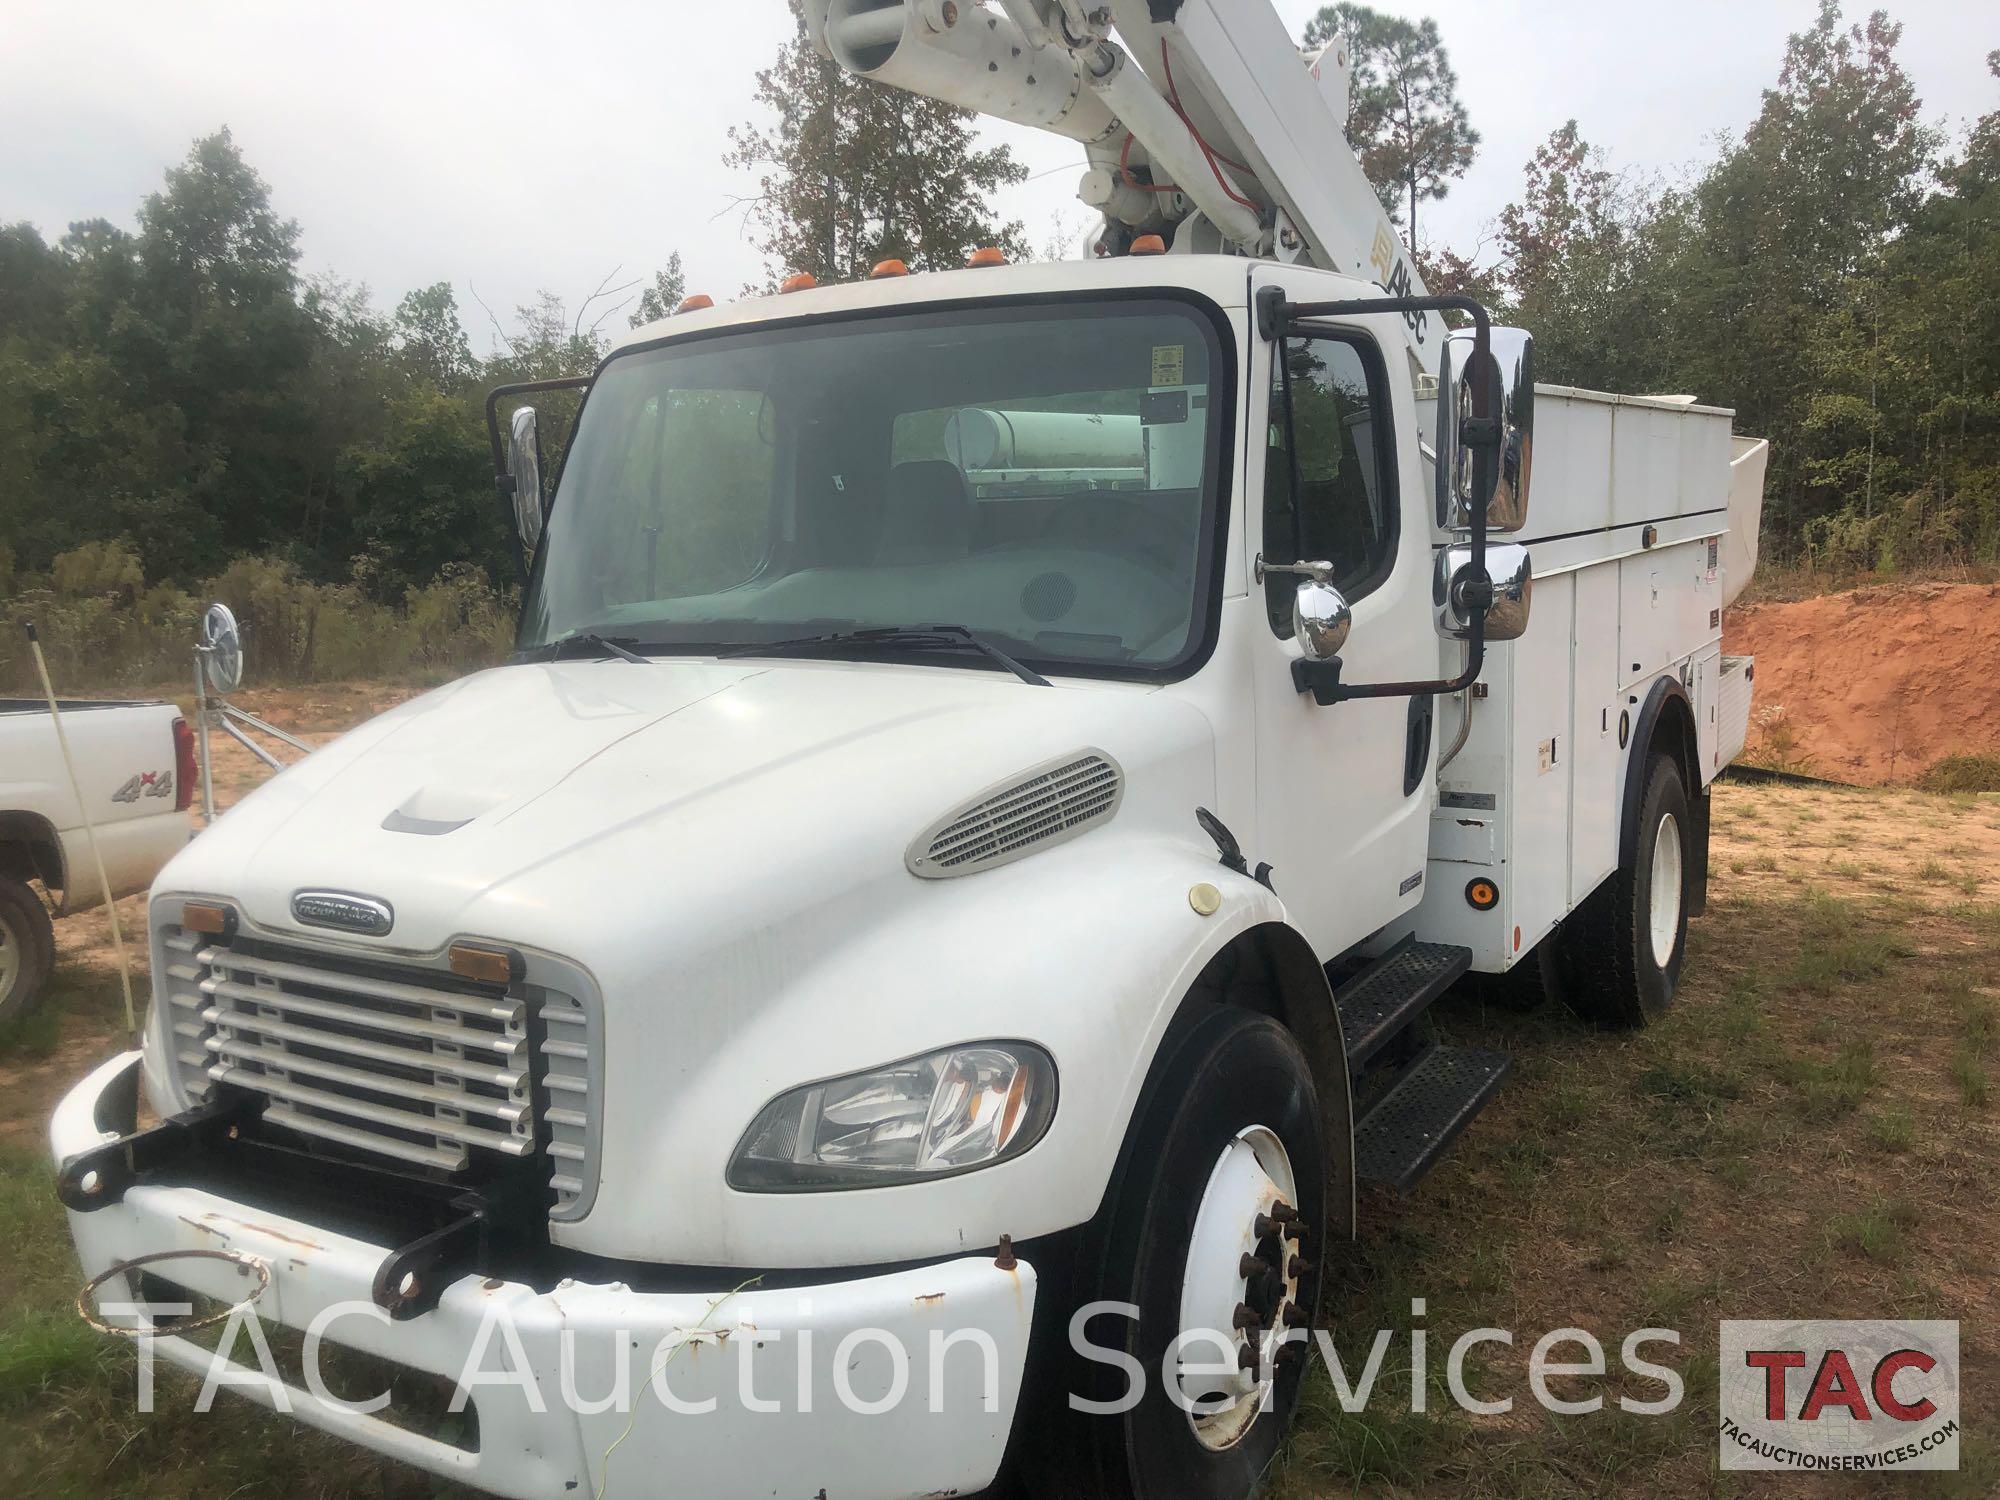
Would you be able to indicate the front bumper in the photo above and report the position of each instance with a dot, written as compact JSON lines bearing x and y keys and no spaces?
{"x":902,"y":1384}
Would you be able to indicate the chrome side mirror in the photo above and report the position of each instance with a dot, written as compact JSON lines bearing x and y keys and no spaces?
{"x":1321,"y":619}
{"x":220,"y":650}
{"x":524,"y":463}
{"x":1513,"y":590}
{"x":1469,"y":476}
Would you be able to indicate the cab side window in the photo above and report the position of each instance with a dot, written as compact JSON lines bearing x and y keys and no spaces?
{"x":1333,"y":500}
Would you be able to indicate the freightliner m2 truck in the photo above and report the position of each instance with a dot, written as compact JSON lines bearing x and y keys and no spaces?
{"x":920,"y":947}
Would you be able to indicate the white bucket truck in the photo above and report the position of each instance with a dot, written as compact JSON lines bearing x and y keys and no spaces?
{"x":998,"y":765}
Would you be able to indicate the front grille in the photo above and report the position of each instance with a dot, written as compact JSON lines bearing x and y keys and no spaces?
{"x":1050,"y":803}
{"x":401,"y":1061}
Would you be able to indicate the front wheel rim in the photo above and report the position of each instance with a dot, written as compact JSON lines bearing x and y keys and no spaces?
{"x":1665,"y":906}
{"x":1252,"y":1184}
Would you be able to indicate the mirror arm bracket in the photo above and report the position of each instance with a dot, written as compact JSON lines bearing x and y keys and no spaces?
{"x":1279,"y":317}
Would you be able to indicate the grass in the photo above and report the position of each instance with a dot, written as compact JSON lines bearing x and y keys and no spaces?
{"x":1808,"y":1132}
{"x":1797,"y":1138}
{"x":1962,"y":773}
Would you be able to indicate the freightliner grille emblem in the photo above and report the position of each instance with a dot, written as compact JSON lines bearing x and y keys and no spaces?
{"x":348,"y":913}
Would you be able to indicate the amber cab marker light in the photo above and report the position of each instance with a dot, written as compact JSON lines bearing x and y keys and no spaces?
{"x":695,"y":303}
{"x":205,"y":916}
{"x":986,"y":255}
{"x":487,"y":965}
{"x":888,"y":268}
{"x":801,"y":281}
{"x":1149,"y":244}
{"x":1482,"y":894}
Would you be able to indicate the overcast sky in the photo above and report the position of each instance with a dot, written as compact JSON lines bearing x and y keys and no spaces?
{"x":508,"y":147}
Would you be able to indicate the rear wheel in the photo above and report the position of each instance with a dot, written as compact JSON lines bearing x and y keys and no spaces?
{"x":1623,"y":948}
{"x":1210,"y":1233}
{"x":27,"y":948}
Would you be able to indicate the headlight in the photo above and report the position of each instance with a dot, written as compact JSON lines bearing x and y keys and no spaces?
{"x":931,"y":1116}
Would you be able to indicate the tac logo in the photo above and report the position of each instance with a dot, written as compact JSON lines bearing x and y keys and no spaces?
{"x":1839,"y":1396}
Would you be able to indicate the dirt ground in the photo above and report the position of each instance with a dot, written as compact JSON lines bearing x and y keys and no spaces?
{"x":1873,"y":685}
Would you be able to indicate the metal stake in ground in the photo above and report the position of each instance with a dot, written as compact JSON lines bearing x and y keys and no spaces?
{"x":89,"y":833}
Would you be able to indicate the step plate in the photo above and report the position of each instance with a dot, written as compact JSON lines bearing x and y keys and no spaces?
{"x":1393,"y":993}
{"x":1403,"y":1136}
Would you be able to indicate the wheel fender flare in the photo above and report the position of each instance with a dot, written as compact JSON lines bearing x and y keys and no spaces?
{"x":1666,"y":717}
{"x":1287,"y":982}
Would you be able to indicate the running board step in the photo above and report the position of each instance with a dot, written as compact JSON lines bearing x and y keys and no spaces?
{"x":1392,"y":992}
{"x":1403,"y":1136}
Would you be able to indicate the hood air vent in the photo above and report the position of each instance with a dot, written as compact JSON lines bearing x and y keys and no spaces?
{"x":1051,"y":803}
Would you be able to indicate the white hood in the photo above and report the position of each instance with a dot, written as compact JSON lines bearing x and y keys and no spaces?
{"x":472,"y":808}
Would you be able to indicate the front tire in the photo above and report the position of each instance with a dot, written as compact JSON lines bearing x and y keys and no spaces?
{"x":1225,"y":1146}
{"x":1625,"y":944}
{"x":27,"y":949}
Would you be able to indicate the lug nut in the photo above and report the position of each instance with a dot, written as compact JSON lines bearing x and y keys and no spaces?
{"x":1245,"y":1318}
{"x":1246,"y":1359}
{"x":1298,"y":1267}
{"x":1250,"y":1268}
{"x":1295,"y":1316}
{"x":1291,"y":1354}
{"x":1264,"y":1226}
{"x":1283,"y":1212}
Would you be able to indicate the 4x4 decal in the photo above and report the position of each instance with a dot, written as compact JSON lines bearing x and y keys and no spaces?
{"x":146,"y":784}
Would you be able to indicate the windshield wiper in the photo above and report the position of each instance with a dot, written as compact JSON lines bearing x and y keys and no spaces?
{"x":920,"y":636}
{"x":604,"y":645}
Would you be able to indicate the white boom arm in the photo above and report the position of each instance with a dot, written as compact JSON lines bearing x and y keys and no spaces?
{"x":1200,"y":118}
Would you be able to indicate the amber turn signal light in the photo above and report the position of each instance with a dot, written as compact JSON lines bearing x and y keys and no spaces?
{"x":1481,"y":894}
{"x":206,"y":916}
{"x":487,"y":965}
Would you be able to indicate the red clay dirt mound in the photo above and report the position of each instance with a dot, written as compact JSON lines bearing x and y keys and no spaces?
{"x":1873,"y":685}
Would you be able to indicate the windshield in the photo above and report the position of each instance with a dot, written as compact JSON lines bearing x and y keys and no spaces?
{"x":1040,"y":473}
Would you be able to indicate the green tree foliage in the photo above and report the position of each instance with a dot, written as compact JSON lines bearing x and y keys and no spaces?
{"x":178,"y":397}
{"x":661,"y":298}
{"x":1828,"y":276}
{"x":852,"y":173}
{"x":1404,"y":117}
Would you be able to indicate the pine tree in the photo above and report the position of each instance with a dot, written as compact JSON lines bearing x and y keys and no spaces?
{"x":1404,"y":117}
{"x":855,"y":172}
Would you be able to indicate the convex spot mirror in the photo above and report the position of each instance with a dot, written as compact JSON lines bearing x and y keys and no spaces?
{"x":524,"y":463}
{"x":221,"y":649}
{"x":1469,"y":476}
{"x":1513,"y":590}
{"x":1321,"y":619}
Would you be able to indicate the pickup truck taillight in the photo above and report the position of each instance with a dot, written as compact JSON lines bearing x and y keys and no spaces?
{"x":185,"y":769}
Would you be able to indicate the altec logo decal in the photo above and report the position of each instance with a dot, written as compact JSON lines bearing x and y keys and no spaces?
{"x":1839,"y":1396}
{"x":343,"y":910}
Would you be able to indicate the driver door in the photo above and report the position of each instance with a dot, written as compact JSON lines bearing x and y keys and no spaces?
{"x":1344,"y":791}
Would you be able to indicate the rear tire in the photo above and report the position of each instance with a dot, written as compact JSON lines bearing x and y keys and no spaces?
{"x":27,"y":949}
{"x":1623,"y":948}
{"x":1229,"y":1116}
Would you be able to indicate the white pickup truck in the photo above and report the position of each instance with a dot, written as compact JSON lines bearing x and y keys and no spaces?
{"x":945,"y":905}
{"x":135,"y":763}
